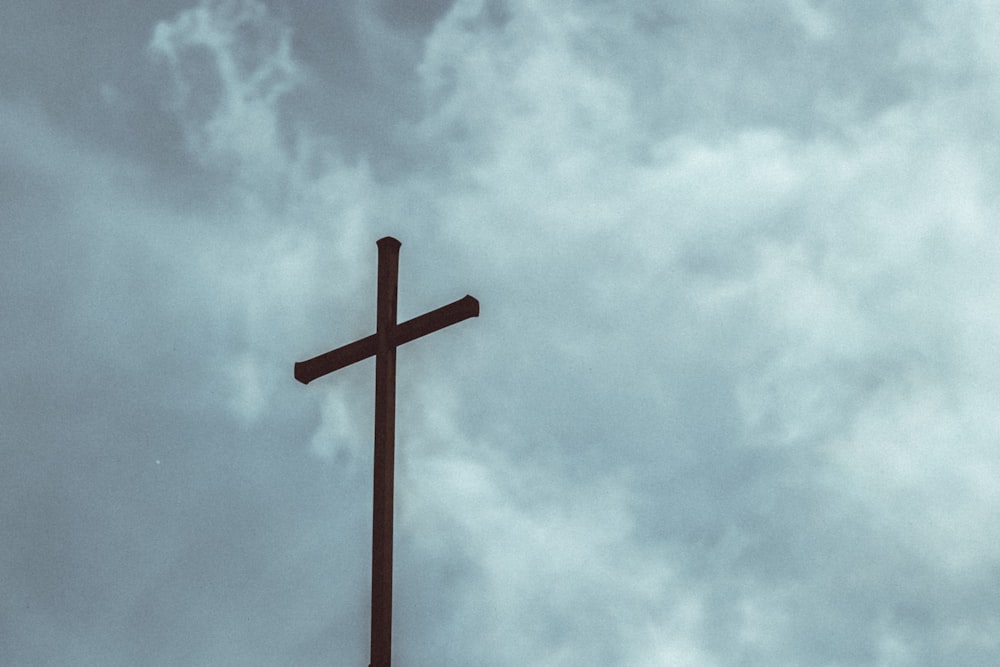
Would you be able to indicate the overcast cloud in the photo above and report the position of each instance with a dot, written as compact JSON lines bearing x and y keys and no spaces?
{"x":732,"y":398}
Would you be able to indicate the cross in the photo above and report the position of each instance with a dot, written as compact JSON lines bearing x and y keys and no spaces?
{"x":382,"y":345}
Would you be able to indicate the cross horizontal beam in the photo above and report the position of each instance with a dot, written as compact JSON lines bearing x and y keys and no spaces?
{"x":328,"y":362}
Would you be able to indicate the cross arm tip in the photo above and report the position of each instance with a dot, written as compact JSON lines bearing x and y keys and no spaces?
{"x":472,"y":305}
{"x":302,"y":374}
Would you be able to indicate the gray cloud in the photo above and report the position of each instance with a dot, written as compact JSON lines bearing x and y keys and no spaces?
{"x":730,"y":399}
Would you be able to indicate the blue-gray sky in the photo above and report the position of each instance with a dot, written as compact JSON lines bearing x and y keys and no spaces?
{"x":731,"y":400}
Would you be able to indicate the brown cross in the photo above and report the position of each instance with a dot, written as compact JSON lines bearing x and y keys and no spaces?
{"x":382,"y":344}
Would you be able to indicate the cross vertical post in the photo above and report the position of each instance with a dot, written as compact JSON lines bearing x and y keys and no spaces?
{"x":382,"y":345}
{"x":385,"y":448}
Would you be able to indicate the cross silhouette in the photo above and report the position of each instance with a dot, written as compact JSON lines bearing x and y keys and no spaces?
{"x":382,"y":344}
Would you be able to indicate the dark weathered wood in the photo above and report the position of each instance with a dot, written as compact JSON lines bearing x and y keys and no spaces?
{"x":328,"y":362}
{"x":442,"y":317}
{"x":310,"y":369}
{"x":385,"y":450}
{"x":382,"y":345}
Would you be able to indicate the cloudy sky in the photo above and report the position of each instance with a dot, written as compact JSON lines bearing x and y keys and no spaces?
{"x":732,"y":398}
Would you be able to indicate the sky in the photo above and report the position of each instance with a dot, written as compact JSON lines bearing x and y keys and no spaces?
{"x":731,"y":400}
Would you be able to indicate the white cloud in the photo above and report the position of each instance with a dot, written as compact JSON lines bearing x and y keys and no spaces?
{"x":826,"y":271}
{"x":816,"y":275}
{"x":230,"y":65}
{"x":813,"y":20}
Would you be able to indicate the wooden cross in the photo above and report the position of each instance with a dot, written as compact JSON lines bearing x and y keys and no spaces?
{"x":382,"y":344}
